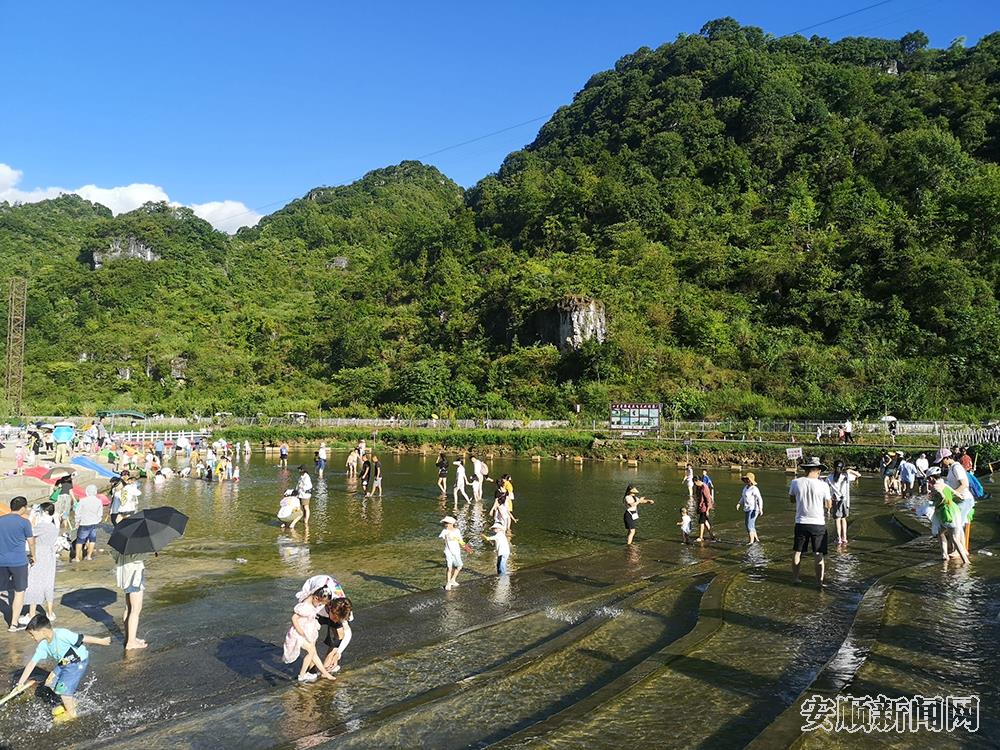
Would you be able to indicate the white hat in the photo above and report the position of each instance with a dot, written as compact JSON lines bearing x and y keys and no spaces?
{"x":447,"y":519}
{"x":497,"y":525}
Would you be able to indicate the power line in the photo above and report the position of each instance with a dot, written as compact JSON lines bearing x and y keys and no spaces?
{"x":483,"y":137}
{"x":258,"y":209}
{"x":837,"y":18}
{"x":542,"y":117}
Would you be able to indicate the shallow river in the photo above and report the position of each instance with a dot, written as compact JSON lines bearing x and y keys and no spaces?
{"x":588,"y":643}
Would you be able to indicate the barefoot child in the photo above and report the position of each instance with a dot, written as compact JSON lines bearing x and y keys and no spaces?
{"x":338,"y":618}
{"x":70,"y":655}
{"x":499,"y":538}
{"x":302,"y":635}
{"x":685,"y":524}
{"x":453,"y":546}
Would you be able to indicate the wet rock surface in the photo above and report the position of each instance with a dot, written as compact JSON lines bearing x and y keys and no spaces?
{"x":662,"y":644}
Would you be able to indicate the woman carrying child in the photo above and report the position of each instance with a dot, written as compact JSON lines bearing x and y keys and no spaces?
{"x":301,"y":636}
{"x":949,"y":521}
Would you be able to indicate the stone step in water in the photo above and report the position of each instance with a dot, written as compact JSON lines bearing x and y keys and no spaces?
{"x":503,"y":701}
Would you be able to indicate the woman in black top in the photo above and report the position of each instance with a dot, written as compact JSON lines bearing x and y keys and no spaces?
{"x":442,"y":467}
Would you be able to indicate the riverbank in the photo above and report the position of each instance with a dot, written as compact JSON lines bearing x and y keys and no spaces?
{"x":563,"y":444}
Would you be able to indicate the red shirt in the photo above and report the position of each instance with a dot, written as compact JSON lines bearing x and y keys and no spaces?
{"x":704,"y":499}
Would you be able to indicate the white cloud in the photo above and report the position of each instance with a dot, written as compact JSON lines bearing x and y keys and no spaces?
{"x":227,"y":216}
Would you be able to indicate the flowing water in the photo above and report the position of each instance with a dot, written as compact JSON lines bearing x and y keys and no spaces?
{"x":587,"y":643}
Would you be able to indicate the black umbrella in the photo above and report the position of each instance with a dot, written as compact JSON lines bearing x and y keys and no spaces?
{"x":148,"y":531}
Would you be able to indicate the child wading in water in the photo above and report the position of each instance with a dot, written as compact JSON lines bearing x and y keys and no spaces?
{"x":685,"y":524}
{"x":453,"y":546}
{"x":337,"y":623}
{"x":302,"y":635}
{"x":70,"y":655}
{"x":499,"y":538}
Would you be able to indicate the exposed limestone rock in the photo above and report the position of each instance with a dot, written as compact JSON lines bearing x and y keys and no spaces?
{"x":572,"y":322}
{"x":581,"y":319}
{"x":124,"y":247}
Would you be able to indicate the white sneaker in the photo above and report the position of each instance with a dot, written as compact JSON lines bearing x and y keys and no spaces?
{"x":334,"y":669}
{"x":24,"y":619}
{"x":308,"y":677}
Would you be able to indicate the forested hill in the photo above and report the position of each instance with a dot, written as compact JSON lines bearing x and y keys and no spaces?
{"x":771,"y":226}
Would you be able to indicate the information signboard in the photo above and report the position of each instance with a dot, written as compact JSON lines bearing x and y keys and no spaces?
{"x":793,"y":453}
{"x":635,"y":417}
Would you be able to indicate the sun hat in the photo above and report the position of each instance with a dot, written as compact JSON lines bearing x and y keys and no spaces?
{"x":934,"y":471}
{"x":314,"y":584}
{"x":497,"y":525}
{"x":941,"y":455}
{"x":751,"y":477}
{"x":448,"y":519}
{"x":813,"y":463}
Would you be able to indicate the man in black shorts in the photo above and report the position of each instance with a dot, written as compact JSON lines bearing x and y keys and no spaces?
{"x":812,"y":499}
{"x":15,"y":530}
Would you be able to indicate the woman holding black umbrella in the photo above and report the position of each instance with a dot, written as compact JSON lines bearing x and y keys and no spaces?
{"x":145,"y":532}
{"x":130,"y":574}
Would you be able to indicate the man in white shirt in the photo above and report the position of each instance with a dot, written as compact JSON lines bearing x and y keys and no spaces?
{"x":922,"y":465}
{"x":304,"y":492}
{"x":321,"y":455}
{"x":89,"y":514}
{"x":812,"y":499}
{"x":848,"y":431}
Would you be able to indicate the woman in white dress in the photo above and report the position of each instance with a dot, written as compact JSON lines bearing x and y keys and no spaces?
{"x":42,"y":575}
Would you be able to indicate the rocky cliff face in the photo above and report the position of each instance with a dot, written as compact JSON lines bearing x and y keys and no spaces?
{"x":123,"y":247}
{"x":581,"y":319}
{"x":570,"y":323}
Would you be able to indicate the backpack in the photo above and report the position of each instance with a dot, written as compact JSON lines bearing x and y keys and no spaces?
{"x":976,"y":486}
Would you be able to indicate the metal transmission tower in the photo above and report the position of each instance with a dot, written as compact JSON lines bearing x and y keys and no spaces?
{"x":17,"y":300}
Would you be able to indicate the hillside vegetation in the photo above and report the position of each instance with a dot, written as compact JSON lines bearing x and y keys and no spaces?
{"x":775,"y":226}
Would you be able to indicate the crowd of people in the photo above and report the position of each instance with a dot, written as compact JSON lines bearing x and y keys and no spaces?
{"x":320,"y":630}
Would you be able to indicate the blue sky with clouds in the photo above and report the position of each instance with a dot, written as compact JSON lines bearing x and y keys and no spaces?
{"x":237,"y":107}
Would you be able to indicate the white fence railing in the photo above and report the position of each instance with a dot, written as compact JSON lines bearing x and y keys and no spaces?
{"x":141,"y":437}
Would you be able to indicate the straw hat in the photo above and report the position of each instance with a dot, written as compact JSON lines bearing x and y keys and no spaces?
{"x":750,"y":477}
{"x":448,"y":519}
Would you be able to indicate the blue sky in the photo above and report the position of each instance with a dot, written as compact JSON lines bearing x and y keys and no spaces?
{"x":257,"y":102}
